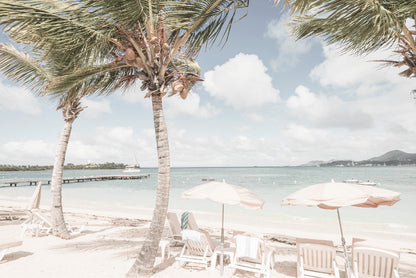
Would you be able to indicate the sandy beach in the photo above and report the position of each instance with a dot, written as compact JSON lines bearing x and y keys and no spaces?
{"x":108,"y":244}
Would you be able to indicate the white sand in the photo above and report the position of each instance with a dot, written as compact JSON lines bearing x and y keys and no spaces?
{"x":108,"y":245}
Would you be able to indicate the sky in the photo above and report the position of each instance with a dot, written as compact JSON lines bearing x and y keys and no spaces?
{"x":266,"y":100}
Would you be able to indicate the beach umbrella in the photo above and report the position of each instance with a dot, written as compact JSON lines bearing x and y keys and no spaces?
{"x":225,"y":194}
{"x":35,"y":200}
{"x":334,"y":195}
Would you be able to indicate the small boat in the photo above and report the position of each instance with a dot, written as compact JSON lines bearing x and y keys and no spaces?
{"x":132,"y":169}
{"x":208,"y":179}
{"x":351,"y":181}
{"x":370,"y":183}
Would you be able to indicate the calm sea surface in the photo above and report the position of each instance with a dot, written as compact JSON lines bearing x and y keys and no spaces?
{"x":272,"y":184}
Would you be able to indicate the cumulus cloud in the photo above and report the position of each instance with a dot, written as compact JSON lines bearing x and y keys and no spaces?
{"x":96,"y":108}
{"x":27,"y":152}
{"x":306,"y":143}
{"x":242,"y":82}
{"x":288,"y":48}
{"x":255,"y":117}
{"x":189,"y":106}
{"x":327,"y":111}
{"x":346,"y":70}
{"x":13,"y":98}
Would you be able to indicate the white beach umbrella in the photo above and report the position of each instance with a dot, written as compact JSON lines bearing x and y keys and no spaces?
{"x":225,"y":194}
{"x":335,"y":195}
{"x":35,"y":200}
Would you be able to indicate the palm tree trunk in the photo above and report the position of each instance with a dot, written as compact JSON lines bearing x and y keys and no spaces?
{"x":57,"y":216}
{"x":143,"y":266}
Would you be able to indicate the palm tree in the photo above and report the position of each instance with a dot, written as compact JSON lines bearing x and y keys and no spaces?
{"x":125,"y":41}
{"x":35,"y":75}
{"x":360,"y":26}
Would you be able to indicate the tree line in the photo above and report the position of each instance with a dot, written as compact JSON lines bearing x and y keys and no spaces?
{"x":69,"y":166}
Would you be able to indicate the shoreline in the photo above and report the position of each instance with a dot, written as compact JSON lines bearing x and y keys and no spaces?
{"x":404,"y":237}
{"x":110,"y":241}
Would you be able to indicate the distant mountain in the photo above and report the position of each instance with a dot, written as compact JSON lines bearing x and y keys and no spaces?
{"x":392,"y":158}
{"x":395,"y":155}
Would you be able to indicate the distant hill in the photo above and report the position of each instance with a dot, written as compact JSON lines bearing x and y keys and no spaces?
{"x":391,"y":158}
{"x":395,"y":155}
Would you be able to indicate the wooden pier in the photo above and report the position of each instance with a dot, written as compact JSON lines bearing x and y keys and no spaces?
{"x":80,"y":179}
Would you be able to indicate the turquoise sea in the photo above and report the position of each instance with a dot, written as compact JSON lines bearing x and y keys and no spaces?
{"x":270,"y":183}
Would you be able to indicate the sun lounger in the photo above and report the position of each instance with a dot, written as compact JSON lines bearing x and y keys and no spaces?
{"x":175,"y":232}
{"x":316,"y":258}
{"x":40,"y":224}
{"x":198,"y":248}
{"x":5,"y":246}
{"x":369,"y":260}
{"x":252,"y":255}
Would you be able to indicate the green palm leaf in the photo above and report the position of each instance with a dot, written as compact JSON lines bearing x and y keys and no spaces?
{"x":20,"y":67}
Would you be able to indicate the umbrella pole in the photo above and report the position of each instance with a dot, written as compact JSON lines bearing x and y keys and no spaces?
{"x":222,"y":243}
{"x":347,"y":262}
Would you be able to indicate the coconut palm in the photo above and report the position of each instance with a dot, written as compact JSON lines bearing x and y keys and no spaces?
{"x":34,"y":74}
{"x":360,"y":26}
{"x":124,"y":41}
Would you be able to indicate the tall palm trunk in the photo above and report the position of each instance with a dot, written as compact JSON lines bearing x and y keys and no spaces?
{"x":143,"y":266}
{"x":57,"y":215}
{"x":70,"y":111}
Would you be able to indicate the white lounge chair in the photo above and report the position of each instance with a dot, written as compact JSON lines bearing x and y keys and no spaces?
{"x":4,"y":247}
{"x":373,"y":262}
{"x":316,"y":258}
{"x":41,"y":224}
{"x":198,"y":248}
{"x":175,"y":232}
{"x":252,"y":255}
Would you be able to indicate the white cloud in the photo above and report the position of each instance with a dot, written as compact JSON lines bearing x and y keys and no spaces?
{"x":189,"y":106}
{"x":306,"y":144}
{"x":134,"y":95}
{"x":255,"y":117}
{"x":288,"y":48}
{"x":327,"y":111}
{"x":346,"y":70}
{"x":27,"y":152}
{"x":116,"y":143}
{"x":13,"y":98}
{"x":242,"y":82}
{"x":96,"y":108}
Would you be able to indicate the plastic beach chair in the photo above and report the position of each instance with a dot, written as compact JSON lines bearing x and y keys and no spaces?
{"x":198,"y":248}
{"x":369,"y":261}
{"x":175,"y":232}
{"x":252,"y":255}
{"x":316,"y":258}
{"x":42,"y":225}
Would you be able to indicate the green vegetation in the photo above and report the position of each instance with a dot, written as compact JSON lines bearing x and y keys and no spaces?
{"x":69,"y":166}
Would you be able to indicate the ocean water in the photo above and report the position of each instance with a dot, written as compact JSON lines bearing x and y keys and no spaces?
{"x":270,"y":183}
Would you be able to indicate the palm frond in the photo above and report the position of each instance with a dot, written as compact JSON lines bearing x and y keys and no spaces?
{"x":358,"y":25}
{"x":56,"y":25}
{"x":22,"y":68}
{"x":120,"y":12}
{"x":87,"y":80}
{"x":202,"y":23}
